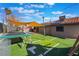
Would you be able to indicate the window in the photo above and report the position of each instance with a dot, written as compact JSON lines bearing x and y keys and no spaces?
{"x":60,"y":28}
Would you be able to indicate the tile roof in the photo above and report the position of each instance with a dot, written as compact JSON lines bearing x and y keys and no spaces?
{"x":74,"y":20}
{"x":47,"y":23}
{"x":70,"y":21}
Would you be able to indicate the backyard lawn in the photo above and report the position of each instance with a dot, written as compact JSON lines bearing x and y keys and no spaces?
{"x":42,"y":45}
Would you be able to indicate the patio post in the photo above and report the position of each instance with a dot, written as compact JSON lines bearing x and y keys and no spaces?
{"x":3,"y":21}
{"x":44,"y":25}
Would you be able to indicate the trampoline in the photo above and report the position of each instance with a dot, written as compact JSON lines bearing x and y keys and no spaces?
{"x":13,"y":35}
{"x":6,"y":39}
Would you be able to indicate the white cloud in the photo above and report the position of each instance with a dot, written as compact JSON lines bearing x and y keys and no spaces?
{"x":47,"y":18}
{"x":50,"y":3}
{"x":21,"y":3}
{"x":40,"y":13}
{"x":25,"y":17}
{"x":26,"y":11}
{"x":55,"y":18}
{"x":22,"y":10}
{"x":70,"y":15}
{"x":16,"y":8}
{"x":60,"y":13}
{"x":2,"y":8}
{"x":57,"y":12}
{"x":27,"y":6}
{"x":67,"y":16}
{"x":36,"y":14}
{"x":37,"y":6}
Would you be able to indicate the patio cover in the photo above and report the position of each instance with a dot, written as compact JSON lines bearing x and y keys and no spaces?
{"x":18,"y":23}
{"x":12,"y":20}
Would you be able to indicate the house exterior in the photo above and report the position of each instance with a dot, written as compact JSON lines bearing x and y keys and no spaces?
{"x":1,"y":27}
{"x":64,"y":27}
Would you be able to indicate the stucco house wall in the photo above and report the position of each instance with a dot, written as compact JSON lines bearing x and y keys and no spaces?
{"x":1,"y":27}
{"x":41,"y":30}
{"x":70,"y":31}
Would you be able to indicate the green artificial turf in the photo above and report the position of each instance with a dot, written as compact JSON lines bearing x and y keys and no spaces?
{"x":43,"y":42}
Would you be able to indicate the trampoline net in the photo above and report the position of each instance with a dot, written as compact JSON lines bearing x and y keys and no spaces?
{"x":6,"y":40}
{"x":4,"y":47}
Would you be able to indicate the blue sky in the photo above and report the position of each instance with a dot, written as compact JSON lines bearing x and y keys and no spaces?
{"x":27,"y":12}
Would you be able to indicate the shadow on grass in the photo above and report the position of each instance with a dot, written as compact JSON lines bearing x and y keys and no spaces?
{"x":55,"y":36}
{"x":16,"y":40}
{"x":37,"y":50}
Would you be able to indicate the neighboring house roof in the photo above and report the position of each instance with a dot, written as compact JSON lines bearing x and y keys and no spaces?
{"x":74,"y":20}
{"x":47,"y":23}
{"x":13,"y":21}
{"x":35,"y":24}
